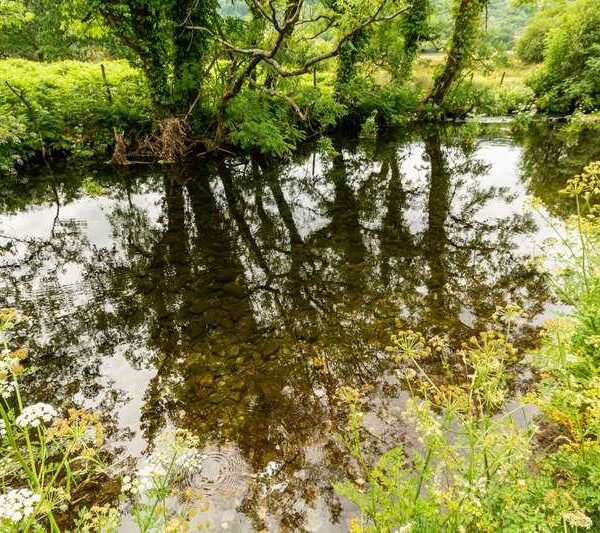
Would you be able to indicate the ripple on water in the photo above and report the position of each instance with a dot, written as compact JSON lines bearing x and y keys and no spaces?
{"x":224,"y":472}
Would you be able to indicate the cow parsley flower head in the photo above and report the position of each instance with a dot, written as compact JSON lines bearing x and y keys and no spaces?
{"x":9,"y":365}
{"x":16,"y":505}
{"x":176,"y":450}
{"x":2,"y":429}
{"x":6,"y":388}
{"x":34,"y":415}
{"x":176,"y":453}
{"x":577,"y":519}
{"x":149,"y":477}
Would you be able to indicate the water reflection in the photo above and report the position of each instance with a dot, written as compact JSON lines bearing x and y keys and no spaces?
{"x":233,"y":300}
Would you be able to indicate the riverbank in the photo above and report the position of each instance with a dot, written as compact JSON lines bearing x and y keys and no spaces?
{"x":100,"y":111}
{"x":68,"y":109}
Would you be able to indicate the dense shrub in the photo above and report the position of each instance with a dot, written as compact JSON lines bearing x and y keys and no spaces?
{"x":273,"y":124}
{"x":258,"y":122}
{"x":480,"y":99}
{"x":64,"y":108}
{"x":531,"y":44}
{"x":570,"y":77}
{"x":392,"y":102}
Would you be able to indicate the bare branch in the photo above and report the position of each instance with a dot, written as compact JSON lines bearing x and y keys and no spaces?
{"x":320,"y":32}
{"x":290,"y":101}
{"x":271,"y":18}
{"x":316,"y":19}
{"x":336,"y":50}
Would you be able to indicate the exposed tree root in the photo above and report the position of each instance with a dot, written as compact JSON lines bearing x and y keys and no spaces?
{"x":172,"y":142}
{"x":119,"y":156}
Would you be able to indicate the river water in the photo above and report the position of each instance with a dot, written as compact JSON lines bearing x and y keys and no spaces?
{"x":234,"y":298}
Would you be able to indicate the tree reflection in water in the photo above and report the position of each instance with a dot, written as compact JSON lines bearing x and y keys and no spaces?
{"x":240,"y":296}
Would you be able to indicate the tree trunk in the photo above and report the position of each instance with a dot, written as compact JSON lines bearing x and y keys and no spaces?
{"x":466,"y":28}
{"x":415,"y":29}
{"x":348,"y":57}
{"x":190,"y":51}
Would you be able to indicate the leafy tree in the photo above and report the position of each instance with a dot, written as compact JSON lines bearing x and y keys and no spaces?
{"x":286,"y":42}
{"x":532,"y":42}
{"x":570,"y":76}
{"x":172,"y":55}
{"x":415,"y":28}
{"x":12,"y":13}
{"x":348,"y":58}
{"x":48,"y":30}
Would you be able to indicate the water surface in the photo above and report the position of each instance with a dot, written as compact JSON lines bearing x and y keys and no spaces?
{"x":234,"y":298}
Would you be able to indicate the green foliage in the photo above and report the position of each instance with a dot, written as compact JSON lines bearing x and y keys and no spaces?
{"x":468,"y":462}
{"x":325,"y":147}
{"x":531,"y":45}
{"x":393,"y":103}
{"x":51,"y":30}
{"x":64,"y":107}
{"x":13,"y":13}
{"x":321,"y":110}
{"x":415,"y":30}
{"x":467,"y":28}
{"x":331,"y":61}
{"x":350,"y":52}
{"x":385,"y":49}
{"x":51,"y":459}
{"x":45,"y":458}
{"x":274,"y":124}
{"x":368,"y":129}
{"x":504,"y":21}
{"x":479,"y":99}
{"x":570,"y":76}
{"x":159,"y":34}
{"x":580,"y":124}
{"x":257,"y":122}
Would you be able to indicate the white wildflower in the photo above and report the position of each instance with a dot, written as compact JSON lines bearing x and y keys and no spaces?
{"x":33,"y":415}
{"x":176,"y":452}
{"x":16,"y":505}
{"x":149,"y":477}
{"x":2,"y":429}
{"x":8,"y":362}
{"x":407,"y":528}
{"x":271,"y":468}
{"x":410,"y":373}
{"x":7,"y":365}
{"x":577,"y":519}
{"x":6,"y":388}
{"x":571,"y":358}
{"x":126,"y":484}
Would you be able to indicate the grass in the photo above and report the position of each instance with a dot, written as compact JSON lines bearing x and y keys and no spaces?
{"x":512,"y":74}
